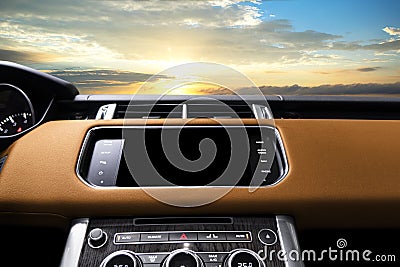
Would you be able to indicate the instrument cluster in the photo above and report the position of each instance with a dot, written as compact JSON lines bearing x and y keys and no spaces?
{"x":16,"y":111}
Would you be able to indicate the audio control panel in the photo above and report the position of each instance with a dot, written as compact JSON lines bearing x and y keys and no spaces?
{"x":184,"y":242}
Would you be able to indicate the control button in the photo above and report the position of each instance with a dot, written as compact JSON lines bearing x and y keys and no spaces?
{"x":182,"y":258}
{"x":152,"y":258}
{"x":244,"y":257}
{"x":97,"y":238}
{"x":96,"y":234}
{"x":211,"y":236}
{"x":153,"y":237}
{"x":212,"y":257}
{"x":238,"y":236}
{"x":126,"y":238}
{"x":267,"y":237}
{"x":120,"y":258}
{"x":104,"y":165}
{"x":182,"y":236}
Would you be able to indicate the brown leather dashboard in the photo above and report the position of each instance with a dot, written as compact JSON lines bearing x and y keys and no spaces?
{"x":342,"y":173}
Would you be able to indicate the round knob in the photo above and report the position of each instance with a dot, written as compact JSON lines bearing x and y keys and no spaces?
{"x":244,"y":258}
{"x":121,"y":258}
{"x":183,"y":258}
{"x":97,"y":238}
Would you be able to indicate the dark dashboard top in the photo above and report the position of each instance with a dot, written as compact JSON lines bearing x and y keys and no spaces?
{"x":35,"y":82}
{"x":56,"y":99}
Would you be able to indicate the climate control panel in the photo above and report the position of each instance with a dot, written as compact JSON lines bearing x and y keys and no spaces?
{"x":184,"y":258}
{"x":185,"y":242}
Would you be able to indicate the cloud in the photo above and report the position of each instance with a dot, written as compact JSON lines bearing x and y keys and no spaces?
{"x":383,"y":46}
{"x":392,"y":31}
{"x":214,"y":91}
{"x":148,"y":36}
{"x":64,"y":45}
{"x":229,"y":32}
{"x":368,"y":69}
{"x":275,"y":72}
{"x":349,"y":70}
{"x":24,"y":56}
{"x":390,"y":45}
{"x":86,"y":79}
{"x":338,"y":89}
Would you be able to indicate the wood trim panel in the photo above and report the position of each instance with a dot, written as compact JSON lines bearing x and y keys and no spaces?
{"x":342,"y":173}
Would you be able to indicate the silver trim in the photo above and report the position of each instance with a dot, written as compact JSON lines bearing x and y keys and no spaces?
{"x":75,"y":241}
{"x":241,"y":250}
{"x":128,"y":253}
{"x":288,"y":238}
{"x":3,"y":162}
{"x":184,"y":111}
{"x":148,"y":253}
{"x":106,"y":112}
{"x":283,"y":159}
{"x":197,"y":252}
{"x":284,"y":169}
{"x":262,"y":112}
{"x":184,"y":241}
{"x":199,"y":262}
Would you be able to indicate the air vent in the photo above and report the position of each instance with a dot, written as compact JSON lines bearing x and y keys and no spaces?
{"x":212,"y":110}
{"x":149,"y":111}
{"x":198,"y":109}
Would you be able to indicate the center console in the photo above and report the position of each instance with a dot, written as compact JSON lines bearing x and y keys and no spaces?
{"x":182,"y":242}
{"x":189,"y":156}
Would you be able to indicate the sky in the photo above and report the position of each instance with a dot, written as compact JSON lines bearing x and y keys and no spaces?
{"x":283,"y":46}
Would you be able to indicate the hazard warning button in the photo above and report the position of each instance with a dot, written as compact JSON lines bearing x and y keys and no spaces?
{"x":183,"y":236}
{"x":267,"y":237}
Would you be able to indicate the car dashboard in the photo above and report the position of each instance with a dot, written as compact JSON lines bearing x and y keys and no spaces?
{"x":76,"y":190}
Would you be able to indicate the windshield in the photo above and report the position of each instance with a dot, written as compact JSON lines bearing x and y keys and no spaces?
{"x":305,"y":47}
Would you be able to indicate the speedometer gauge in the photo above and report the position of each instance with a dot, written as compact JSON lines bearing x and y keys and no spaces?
{"x":16,"y":123}
{"x":16,"y":111}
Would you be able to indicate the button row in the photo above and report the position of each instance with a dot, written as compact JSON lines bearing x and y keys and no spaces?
{"x":135,"y":237}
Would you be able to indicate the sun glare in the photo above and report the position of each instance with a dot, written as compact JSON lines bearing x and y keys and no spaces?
{"x":198,"y":89}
